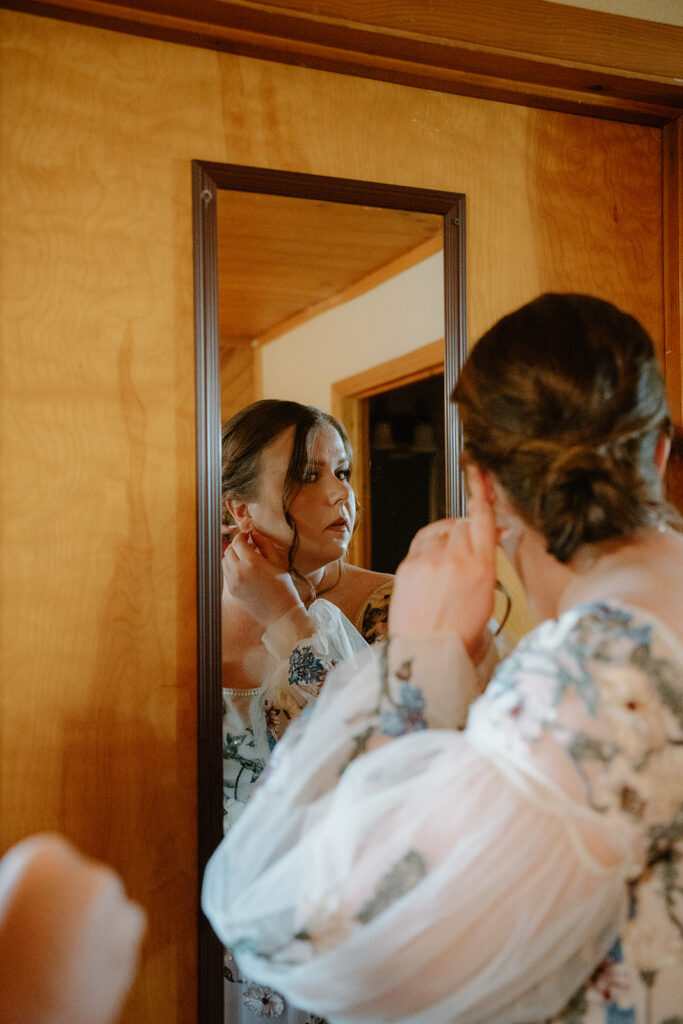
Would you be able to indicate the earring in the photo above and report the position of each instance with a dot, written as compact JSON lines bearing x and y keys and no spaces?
{"x":500,"y":586}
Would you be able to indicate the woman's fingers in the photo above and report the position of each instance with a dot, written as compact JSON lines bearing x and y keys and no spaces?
{"x":482,"y":523}
{"x":446,"y":582}
{"x":431,"y":537}
{"x":476,"y":484}
{"x":240,"y":547}
{"x":254,"y":552}
{"x":227,"y":534}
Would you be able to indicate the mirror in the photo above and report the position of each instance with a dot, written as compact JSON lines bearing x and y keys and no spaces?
{"x":368,"y":214}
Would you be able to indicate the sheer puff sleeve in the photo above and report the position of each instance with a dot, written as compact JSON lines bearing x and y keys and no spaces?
{"x":450,"y":876}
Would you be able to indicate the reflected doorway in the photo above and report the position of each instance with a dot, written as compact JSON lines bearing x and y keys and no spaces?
{"x":407,"y":478}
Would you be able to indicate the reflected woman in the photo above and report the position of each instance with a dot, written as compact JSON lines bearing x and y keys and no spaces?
{"x":289,"y":512}
{"x":292,"y":606}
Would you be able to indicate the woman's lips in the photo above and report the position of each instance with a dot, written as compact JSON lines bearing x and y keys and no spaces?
{"x":339,"y":525}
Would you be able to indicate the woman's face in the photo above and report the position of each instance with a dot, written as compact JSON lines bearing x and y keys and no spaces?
{"x":324,"y":507}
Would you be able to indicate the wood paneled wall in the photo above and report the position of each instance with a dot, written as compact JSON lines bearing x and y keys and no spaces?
{"x":97,"y":404}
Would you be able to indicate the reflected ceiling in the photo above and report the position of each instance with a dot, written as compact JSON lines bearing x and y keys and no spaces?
{"x":282,"y":260}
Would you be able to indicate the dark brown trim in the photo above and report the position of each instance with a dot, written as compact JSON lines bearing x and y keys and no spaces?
{"x":209,"y":698}
{"x":206,"y":179}
{"x":455,"y":350}
{"x":570,"y":60}
{"x":355,"y":191}
{"x":672,"y":231}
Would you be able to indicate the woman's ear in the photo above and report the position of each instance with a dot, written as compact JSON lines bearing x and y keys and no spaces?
{"x":662,"y":452}
{"x":239,"y":510}
{"x":481,"y":480}
{"x":490,"y":488}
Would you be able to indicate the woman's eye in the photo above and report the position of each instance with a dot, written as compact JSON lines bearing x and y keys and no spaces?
{"x":344,"y":474}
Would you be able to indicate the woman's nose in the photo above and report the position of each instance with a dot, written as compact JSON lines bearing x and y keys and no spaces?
{"x":337,"y":489}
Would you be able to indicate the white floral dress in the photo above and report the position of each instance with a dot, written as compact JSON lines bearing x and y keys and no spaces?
{"x":526,"y":869}
{"x":254,"y":720}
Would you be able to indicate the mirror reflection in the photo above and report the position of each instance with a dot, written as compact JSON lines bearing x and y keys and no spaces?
{"x":331,"y":361}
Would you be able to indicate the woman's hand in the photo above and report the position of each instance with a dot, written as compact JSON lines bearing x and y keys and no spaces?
{"x":69,"y":935}
{"x":255,"y":573}
{"x":446,"y":582}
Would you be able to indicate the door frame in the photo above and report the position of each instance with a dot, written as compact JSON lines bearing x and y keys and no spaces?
{"x":349,"y":402}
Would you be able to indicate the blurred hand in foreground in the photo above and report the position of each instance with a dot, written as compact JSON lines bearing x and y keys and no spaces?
{"x":69,"y":936}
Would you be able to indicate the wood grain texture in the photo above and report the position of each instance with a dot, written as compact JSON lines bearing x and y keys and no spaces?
{"x":240,"y":379}
{"x":360,"y":286}
{"x":97,"y":394}
{"x":560,"y":58}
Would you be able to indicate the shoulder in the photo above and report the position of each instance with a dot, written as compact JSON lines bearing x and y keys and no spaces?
{"x":590,"y":640}
{"x":610,"y":632}
{"x":364,"y":599}
{"x":372,"y":604}
{"x":610,"y":667}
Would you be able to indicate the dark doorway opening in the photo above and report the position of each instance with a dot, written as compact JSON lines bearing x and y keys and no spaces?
{"x":407,"y":475}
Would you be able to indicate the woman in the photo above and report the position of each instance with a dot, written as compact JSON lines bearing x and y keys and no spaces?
{"x":526,"y":869}
{"x":292,"y":605}
{"x":289,"y":514}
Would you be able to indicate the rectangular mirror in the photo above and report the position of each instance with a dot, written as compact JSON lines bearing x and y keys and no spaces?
{"x":272,"y":251}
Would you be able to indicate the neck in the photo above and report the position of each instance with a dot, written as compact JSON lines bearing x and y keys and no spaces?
{"x":623,"y":570}
{"x":544,"y":578}
{"x":314,"y":584}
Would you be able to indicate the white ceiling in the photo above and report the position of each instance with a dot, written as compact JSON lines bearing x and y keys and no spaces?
{"x":669,"y":12}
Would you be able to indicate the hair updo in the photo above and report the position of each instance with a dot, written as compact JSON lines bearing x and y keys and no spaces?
{"x":564,"y":402}
{"x":252,"y":429}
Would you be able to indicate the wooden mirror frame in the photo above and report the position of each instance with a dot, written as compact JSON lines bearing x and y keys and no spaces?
{"x":207,"y":178}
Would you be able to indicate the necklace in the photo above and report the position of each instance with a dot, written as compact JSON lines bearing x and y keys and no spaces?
{"x":326,"y":590}
{"x":316,"y":592}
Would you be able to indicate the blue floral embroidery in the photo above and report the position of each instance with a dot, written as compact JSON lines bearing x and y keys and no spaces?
{"x":616,"y":1016}
{"x":397,"y":882}
{"x":406,"y":716}
{"x":304,"y":667}
{"x":613,"y":1013}
{"x":605,"y":656}
{"x":233,"y":747}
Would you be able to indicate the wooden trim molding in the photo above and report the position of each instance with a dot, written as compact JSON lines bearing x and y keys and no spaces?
{"x":555,"y":56}
{"x":209,"y":697}
{"x":672,"y":205}
{"x":394,"y":373}
{"x":349,"y":404}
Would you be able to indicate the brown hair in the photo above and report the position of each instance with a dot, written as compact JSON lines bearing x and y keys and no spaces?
{"x":564,"y":402}
{"x":251,"y":430}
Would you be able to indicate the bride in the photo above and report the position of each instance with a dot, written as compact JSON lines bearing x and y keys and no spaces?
{"x":393,"y":867}
{"x":289,"y":512}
